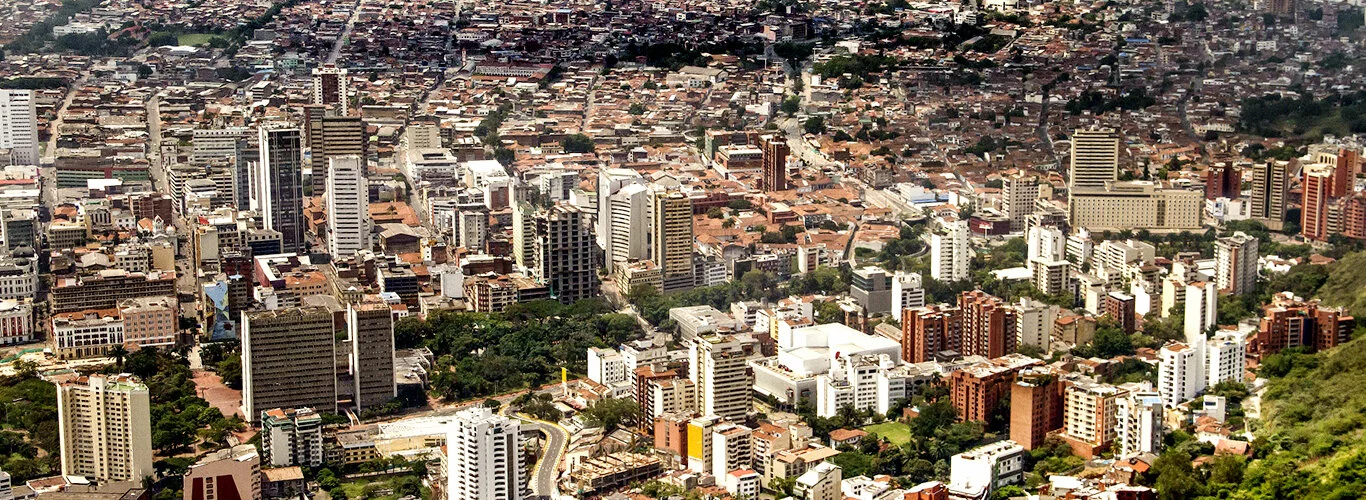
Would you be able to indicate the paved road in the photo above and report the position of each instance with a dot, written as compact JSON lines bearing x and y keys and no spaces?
{"x":346,"y":33}
{"x":547,"y":470}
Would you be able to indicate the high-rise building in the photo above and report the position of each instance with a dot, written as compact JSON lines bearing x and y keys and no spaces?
{"x":925,"y":331}
{"x":908,"y":290}
{"x":1036,"y":407}
{"x":278,"y":185}
{"x":1178,"y":373}
{"x":775,"y":151}
{"x":1317,"y":186}
{"x":370,"y":326}
{"x":1135,"y":205}
{"x":1095,"y":158}
{"x":291,"y":436}
{"x":1269,"y":184}
{"x":243,"y":173}
{"x":1223,"y":181}
{"x":1034,"y":323}
{"x":1225,"y":359}
{"x":20,"y":228}
{"x":949,"y":253}
{"x":988,"y":325}
{"x":484,"y":457}
{"x":472,"y":227}
{"x":610,"y":181}
{"x":288,"y":360}
{"x":1052,"y":277}
{"x":524,"y":236}
{"x":1138,"y":419}
{"x":1201,"y":310}
{"x":871,"y":287}
{"x":628,"y":227}
{"x":104,"y":426}
{"x":1047,"y":243}
{"x":1089,"y":416}
{"x":348,"y":202}
{"x":1120,"y":307}
{"x":230,"y":474}
{"x":1018,"y":194}
{"x":330,"y":136}
{"x":565,"y":258}
{"x":1344,"y":162}
{"x":19,"y":126}
{"x":672,"y":239}
{"x":822,"y":482}
{"x":1235,"y":261}
{"x":977,"y":390}
{"x":1289,"y":321}
{"x":719,"y":367}
{"x":330,"y":86}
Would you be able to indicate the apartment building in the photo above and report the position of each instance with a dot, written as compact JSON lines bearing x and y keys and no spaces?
{"x":718,"y":365}
{"x":291,"y":436}
{"x":1090,"y":416}
{"x":484,"y":457}
{"x":104,"y":425}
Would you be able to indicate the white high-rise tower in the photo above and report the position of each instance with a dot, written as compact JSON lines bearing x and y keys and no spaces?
{"x":19,"y":126}
{"x":348,"y":218}
{"x":484,"y":457}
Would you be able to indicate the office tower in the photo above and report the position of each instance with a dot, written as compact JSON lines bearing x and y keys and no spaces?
{"x":629,"y":225}
{"x":610,"y":181}
{"x":278,"y":185}
{"x":1317,"y":186}
{"x":231,"y":474}
{"x":244,"y":166}
{"x":291,"y":436}
{"x":484,"y":457}
{"x":524,"y":236}
{"x":1036,"y":401}
{"x":1138,"y":421}
{"x":871,"y":288}
{"x":1090,"y":416}
{"x":907,"y":291}
{"x":949,"y":253}
{"x":927,"y":330}
{"x":1223,"y":181}
{"x":565,"y":258}
{"x":329,"y":136}
{"x":718,"y":365}
{"x":1269,"y":184}
{"x":104,"y":424}
{"x":1045,"y":243}
{"x":1178,"y":373}
{"x":472,"y":227}
{"x":288,"y":360}
{"x":1018,"y":194}
{"x":988,"y":325}
{"x":1095,"y":157}
{"x":672,"y":239}
{"x":330,"y":87}
{"x":348,"y":214}
{"x":370,"y":326}
{"x":1289,"y":321}
{"x":1235,"y":260}
{"x":1120,"y":307}
{"x":19,"y":126}
{"x":775,"y":151}
{"x":1135,"y":205}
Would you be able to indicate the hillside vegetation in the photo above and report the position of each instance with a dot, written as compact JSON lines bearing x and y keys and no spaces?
{"x":1346,"y":284}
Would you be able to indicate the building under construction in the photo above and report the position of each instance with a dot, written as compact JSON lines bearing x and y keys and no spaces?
{"x":613,"y":471}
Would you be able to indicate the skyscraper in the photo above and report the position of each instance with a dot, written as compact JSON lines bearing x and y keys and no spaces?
{"x":610,"y":181}
{"x":288,"y":360}
{"x":348,"y":217}
{"x":775,"y":151}
{"x":1317,"y":186}
{"x":719,"y":367}
{"x":1235,"y":261}
{"x":104,"y":424}
{"x":244,"y":167}
{"x":949,"y":255}
{"x":370,"y":326}
{"x":1269,"y":184}
{"x":330,"y":135}
{"x":629,"y":226}
{"x":565,"y":257}
{"x":484,"y":457}
{"x":1018,"y":194}
{"x":330,"y":87}
{"x":278,"y":185}
{"x":1223,"y":181}
{"x":19,"y":126}
{"x":988,"y":325}
{"x":1095,"y":157}
{"x":672,"y":239}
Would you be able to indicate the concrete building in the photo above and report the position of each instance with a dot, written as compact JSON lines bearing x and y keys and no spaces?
{"x":1225,"y":358}
{"x":288,"y":360}
{"x":694,"y":321}
{"x":732,"y":448}
{"x":853,"y":380}
{"x":925,"y":331}
{"x":1094,"y":159}
{"x":230,"y":474}
{"x":330,"y":136}
{"x":1034,"y":323}
{"x":871,"y":287}
{"x":1036,"y":407}
{"x":370,"y":329}
{"x":822,"y":482}
{"x":1089,"y":416}
{"x":104,"y":426}
{"x":1270,"y":182}
{"x":107,"y":288}
{"x":278,"y":184}
{"x":291,"y":436}
{"x":1138,"y":417}
{"x":484,"y":457}
{"x":718,"y":365}
{"x":908,"y":290}
{"x":1052,"y":277}
{"x":150,"y":321}
{"x":1135,"y":205}
{"x":348,"y":202}
{"x":989,"y":325}
{"x":628,"y":235}
{"x":672,"y":239}
{"x":610,"y":182}
{"x":1178,"y":373}
{"x":606,"y":366}
{"x":1047,"y":243}
{"x":565,"y":258}
{"x":775,"y":151}
{"x":1290,"y":321}
{"x":978,"y":472}
{"x":86,"y":334}
{"x":217,"y":144}
{"x":976,"y":390}
{"x":472,"y":228}
{"x":19,"y":126}
{"x":16,"y":321}
{"x":330,"y":86}
{"x":1018,"y":193}
{"x":1315,"y":185}
{"x":949,"y":252}
{"x":1235,"y":258}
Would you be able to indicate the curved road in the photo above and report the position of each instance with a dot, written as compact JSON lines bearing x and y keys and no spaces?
{"x":547,"y":470}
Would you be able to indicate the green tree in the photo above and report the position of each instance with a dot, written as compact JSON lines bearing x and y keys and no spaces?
{"x":791,"y":105}
{"x":637,"y":108}
{"x":814,"y":125}
{"x":578,"y":143}
{"x":613,"y":413}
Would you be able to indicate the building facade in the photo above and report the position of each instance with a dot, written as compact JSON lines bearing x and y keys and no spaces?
{"x":105,"y":428}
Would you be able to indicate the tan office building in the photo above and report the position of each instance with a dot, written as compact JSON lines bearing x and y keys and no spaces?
{"x":288,"y":360}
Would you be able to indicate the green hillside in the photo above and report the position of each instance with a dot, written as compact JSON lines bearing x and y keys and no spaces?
{"x":1346,"y":284}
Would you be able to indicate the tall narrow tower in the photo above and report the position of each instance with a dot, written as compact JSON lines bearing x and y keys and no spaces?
{"x":673,"y":239}
{"x":1095,"y":157}
{"x":278,"y":184}
{"x":775,"y":151}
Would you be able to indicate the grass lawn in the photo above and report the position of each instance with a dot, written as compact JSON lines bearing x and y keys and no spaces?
{"x":195,"y":39}
{"x":896,"y":432}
